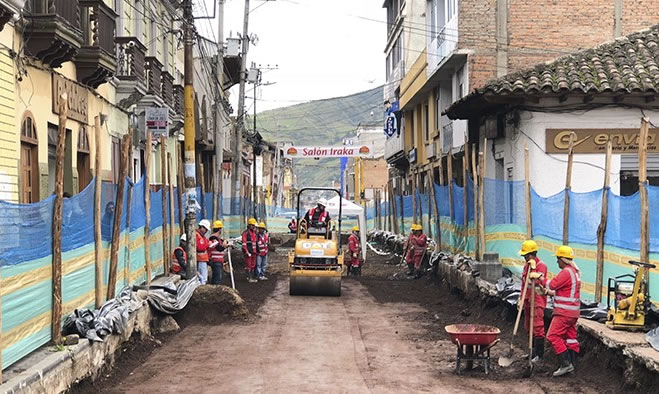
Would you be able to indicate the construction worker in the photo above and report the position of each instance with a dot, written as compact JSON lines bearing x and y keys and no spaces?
{"x":537,"y":269}
{"x":262,"y":242}
{"x":292,"y":226}
{"x":565,"y":288}
{"x":354,"y":247}
{"x":318,"y":216}
{"x":416,"y":248}
{"x":250,"y":249}
{"x":217,"y":252}
{"x":180,"y":258}
{"x":203,"y":250}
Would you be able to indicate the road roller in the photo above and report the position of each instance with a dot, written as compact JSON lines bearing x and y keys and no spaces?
{"x":316,"y":263}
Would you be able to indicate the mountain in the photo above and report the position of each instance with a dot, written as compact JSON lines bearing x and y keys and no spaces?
{"x":320,"y":122}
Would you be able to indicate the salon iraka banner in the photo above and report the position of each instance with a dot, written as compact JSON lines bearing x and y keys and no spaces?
{"x":312,"y":152}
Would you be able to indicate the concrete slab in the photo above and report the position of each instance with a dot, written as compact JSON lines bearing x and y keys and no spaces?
{"x":645,"y":355}
{"x":613,"y":338}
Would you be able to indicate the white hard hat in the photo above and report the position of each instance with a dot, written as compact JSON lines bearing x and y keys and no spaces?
{"x":184,"y":237}
{"x":322,"y":201}
{"x":206,"y":224}
{"x":292,"y":217}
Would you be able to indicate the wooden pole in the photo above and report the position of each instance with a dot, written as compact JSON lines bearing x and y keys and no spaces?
{"x":436,"y":212}
{"x":642,"y":187}
{"x":465,"y":195}
{"x":147,"y":208}
{"x":172,"y":220}
{"x":481,"y":198}
{"x":474,"y":177}
{"x":56,"y":320}
{"x":131,"y":175}
{"x":568,"y":186}
{"x":527,"y":192}
{"x":468,"y":157}
{"x":116,"y":227}
{"x":179,"y":189}
{"x":98,"y":244}
{"x":402,"y":212}
{"x":601,"y":229}
{"x":163,"y":192}
{"x":449,"y":183}
{"x":202,"y":180}
{"x":414,"y":204}
{"x":394,"y":213}
{"x":214,"y":188}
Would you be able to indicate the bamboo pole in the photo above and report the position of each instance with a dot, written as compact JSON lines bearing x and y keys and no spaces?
{"x":438,"y":222}
{"x":465,"y":195}
{"x":202,"y":180}
{"x":414,"y":203}
{"x":642,"y":187}
{"x":98,"y":244}
{"x":474,"y":177}
{"x":568,"y":186}
{"x":147,"y":208}
{"x":163,"y":192}
{"x":116,"y":227}
{"x":172,"y":220}
{"x":481,"y":198}
{"x":179,"y":189}
{"x":527,"y":192}
{"x":56,"y":316}
{"x":131,"y":175}
{"x":449,"y":182}
{"x":601,"y":229}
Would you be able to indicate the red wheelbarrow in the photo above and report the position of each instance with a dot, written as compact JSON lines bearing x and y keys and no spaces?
{"x":474,"y":342}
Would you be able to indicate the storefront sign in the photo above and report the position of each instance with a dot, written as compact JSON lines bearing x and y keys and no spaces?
{"x":595,"y":140}
{"x":76,"y":97}
{"x":303,"y":152}
{"x":412,"y":156}
{"x":157,"y":120}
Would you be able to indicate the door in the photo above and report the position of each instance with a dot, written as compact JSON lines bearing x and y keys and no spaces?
{"x":84,"y":171}
{"x":29,"y":186}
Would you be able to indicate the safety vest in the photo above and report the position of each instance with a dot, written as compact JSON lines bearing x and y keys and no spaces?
{"x":249,"y":242}
{"x":262,"y":243}
{"x":292,"y":225}
{"x":202,"y":248}
{"x":217,"y":255}
{"x":419,"y":243}
{"x":321,"y":218}
{"x":176,"y":267}
{"x":353,"y":245}
{"x":540,"y":300}
{"x":567,"y":285}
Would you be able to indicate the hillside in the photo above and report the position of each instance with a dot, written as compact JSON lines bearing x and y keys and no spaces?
{"x":320,"y":122}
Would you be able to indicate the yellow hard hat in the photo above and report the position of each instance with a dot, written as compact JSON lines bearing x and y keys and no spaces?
{"x":218,"y":224}
{"x":565,"y":252}
{"x":252,"y":221}
{"x":528,"y":246}
{"x":355,"y":228}
{"x":261,"y":225}
{"x":416,"y":227}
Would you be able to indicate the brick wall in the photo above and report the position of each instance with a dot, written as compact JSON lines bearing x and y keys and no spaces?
{"x":375,"y":173}
{"x":639,"y":14}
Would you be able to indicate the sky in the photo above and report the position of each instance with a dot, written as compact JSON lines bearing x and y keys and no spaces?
{"x":321,"y":48}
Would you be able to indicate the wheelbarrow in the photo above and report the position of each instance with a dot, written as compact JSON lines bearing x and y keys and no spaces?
{"x":474,"y":342}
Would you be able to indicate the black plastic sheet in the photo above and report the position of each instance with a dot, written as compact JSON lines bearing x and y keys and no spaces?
{"x":170,"y":298}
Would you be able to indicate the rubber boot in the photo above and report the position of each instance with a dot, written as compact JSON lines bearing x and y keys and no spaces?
{"x":410,"y":268}
{"x":538,"y":349}
{"x":251,"y":277}
{"x":573,"y":357}
{"x":565,"y":365}
{"x":417,"y":274}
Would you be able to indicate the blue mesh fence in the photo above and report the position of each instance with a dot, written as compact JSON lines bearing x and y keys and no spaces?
{"x":77,"y":223}
{"x":585,"y":216}
{"x":25,"y":224}
{"x":458,"y":205}
{"x":137,"y":216}
{"x":155,"y":210}
{"x":623,"y":228}
{"x":441,"y":196}
{"x":653,"y":204}
{"x":504,"y":202}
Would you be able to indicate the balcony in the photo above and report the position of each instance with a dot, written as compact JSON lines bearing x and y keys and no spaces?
{"x":130,"y":71}
{"x":394,"y":150}
{"x":393,"y":82}
{"x":453,"y":134}
{"x":153,"y":76}
{"x":443,"y":46}
{"x":96,"y":61}
{"x":167,"y":81}
{"x":9,"y":9}
{"x":52,"y":32}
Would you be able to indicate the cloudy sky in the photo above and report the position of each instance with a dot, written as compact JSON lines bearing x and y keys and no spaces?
{"x":321,"y":48}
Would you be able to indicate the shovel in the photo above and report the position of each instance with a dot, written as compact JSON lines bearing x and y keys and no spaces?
{"x":529,"y":370}
{"x":507,"y":359}
{"x":233,"y":284}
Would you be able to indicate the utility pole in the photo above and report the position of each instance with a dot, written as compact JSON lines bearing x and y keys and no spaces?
{"x":189,"y":129}
{"x":236,"y":173}
{"x":219,"y":110}
{"x":255,"y":194}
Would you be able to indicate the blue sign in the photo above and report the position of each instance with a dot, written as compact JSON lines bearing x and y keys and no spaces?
{"x":390,"y":125}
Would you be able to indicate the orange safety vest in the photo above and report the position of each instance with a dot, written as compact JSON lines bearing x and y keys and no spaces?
{"x":202,"y":248}
{"x":176,"y":267}
{"x":568,"y":286}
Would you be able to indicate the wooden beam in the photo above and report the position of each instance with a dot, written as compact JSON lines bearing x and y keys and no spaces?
{"x":179,"y":189}
{"x":588,"y":98}
{"x":568,"y":187}
{"x":98,"y":239}
{"x":642,"y":187}
{"x":173,"y":239}
{"x":481,"y":197}
{"x":650,"y":98}
{"x":118,"y":210}
{"x":56,"y":315}
{"x":163,"y":192}
{"x":147,"y":208}
{"x":474,"y":178}
{"x":601,"y":229}
{"x":527,"y":193}
{"x":392,"y":201}
{"x":438,"y":222}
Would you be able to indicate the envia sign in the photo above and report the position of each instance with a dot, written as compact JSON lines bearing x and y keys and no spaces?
{"x":595,"y":140}
{"x":304,"y":152}
{"x":157,"y":120}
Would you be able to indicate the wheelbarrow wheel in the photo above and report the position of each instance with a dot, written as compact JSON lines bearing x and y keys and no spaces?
{"x":470,"y":354}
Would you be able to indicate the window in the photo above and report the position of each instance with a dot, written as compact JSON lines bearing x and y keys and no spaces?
{"x":116,"y":159}
{"x":29,"y":167}
{"x":459,"y":82}
{"x":83,"y":160}
{"x":438,"y":107}
{"x":426,"y":122}
{"x":433,"y":18}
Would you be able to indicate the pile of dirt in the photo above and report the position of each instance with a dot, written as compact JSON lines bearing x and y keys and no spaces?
{"x":212,"y":305}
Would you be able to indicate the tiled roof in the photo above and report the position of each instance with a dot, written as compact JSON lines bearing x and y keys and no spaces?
{"x":629,"y":64}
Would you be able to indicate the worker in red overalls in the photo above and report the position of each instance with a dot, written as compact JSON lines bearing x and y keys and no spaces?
{"x":537,"y":269}
{"x":250,"y":249}
{"x":262,"y":243}
{"x":180,"y":258}
{"x":565,"y":288}
{"x":355,"y":250}
{"x":318,"y":216}
{"x":217,"y":252}
{"x":416,"y":248}
{"x":203,"y":250}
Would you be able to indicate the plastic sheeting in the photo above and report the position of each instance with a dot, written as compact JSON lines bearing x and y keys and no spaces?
{"x":172,"y":298}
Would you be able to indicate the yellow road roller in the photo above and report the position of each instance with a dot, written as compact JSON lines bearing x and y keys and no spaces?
{"x":316,"y":263}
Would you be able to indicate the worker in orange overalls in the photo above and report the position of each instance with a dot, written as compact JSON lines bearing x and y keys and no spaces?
{"x":355,"y":250}
{"x":565,"y":288}
{"x":250,"y":249}
{"x":416,"y":248}
{"x":537,"y":269}
{"x":180,"y":258}
{"x":203,"y":250}
{"x":217,"y":252}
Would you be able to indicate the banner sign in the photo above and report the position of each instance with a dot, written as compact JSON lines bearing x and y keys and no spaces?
{"x":312,"y":152}
{"x":391,"y":119}
{"x":595,"y":140}
{"x":157,"y":120}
